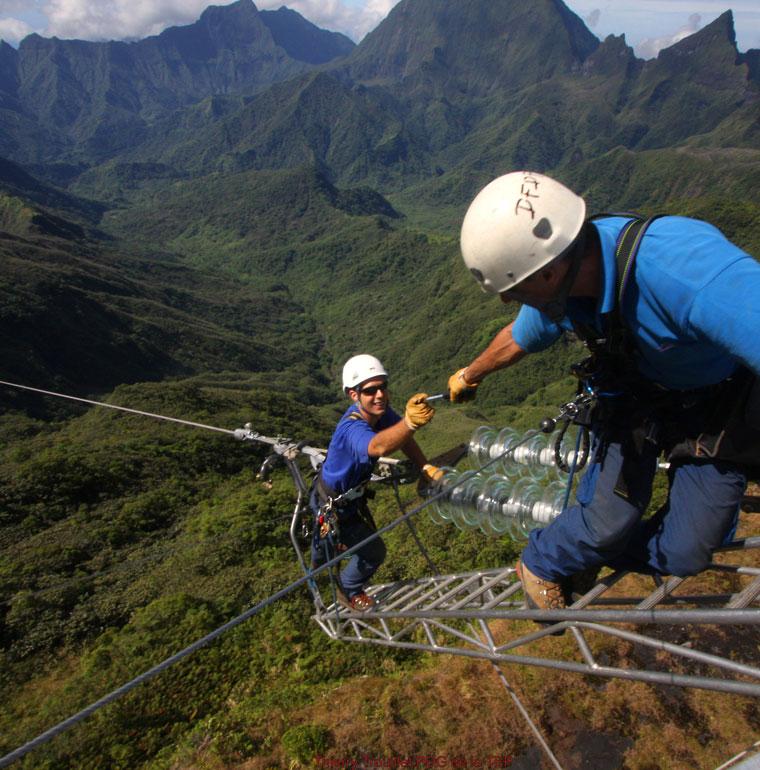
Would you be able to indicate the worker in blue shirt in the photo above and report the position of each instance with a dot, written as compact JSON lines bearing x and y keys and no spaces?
{"x":676,"y":339}
{"x":369,"y":429}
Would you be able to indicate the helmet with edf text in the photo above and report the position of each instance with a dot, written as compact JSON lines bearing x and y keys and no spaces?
{"x":517,"y":224}
{"x":361,"y":368}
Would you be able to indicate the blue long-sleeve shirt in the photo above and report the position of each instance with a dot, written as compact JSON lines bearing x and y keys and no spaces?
{"x":692,"y":303}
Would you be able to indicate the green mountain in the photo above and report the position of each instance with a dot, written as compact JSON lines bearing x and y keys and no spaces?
{"x":204,"y":225}
{"x":82,"y":312}
{"x":95,"y":100}
{"x":472,"y":49}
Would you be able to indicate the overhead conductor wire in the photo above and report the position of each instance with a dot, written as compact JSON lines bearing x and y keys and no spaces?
{"x":114,"y":695}
{"x":119,"y":408}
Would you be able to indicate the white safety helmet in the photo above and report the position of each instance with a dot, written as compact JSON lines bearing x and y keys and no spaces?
{"x":361,"y":368}
{"x":516,"y":225}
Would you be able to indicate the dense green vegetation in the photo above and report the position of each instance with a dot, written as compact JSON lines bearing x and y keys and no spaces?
{"x":209,"y":238}
{"x":124,"y":540}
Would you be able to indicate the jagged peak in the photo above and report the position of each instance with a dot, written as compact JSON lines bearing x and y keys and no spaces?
{"x":242,"y":9}
{"x":303,"y":40}
{"x":580,"y":38}
{"x":33,"y":41}
{"x":613,"y":55}
{"x":483,"y":43}
{"x":720,"y":30}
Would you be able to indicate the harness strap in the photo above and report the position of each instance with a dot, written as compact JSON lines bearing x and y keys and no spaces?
{"x":329,"y":496}
{"x":627,"y":248}
{"x":617,"y":336}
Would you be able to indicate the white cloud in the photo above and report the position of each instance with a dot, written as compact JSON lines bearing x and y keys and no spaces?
{"x":651,"y":46}
{"x":14,"y":30}
{"x":8,"y":7}
{"x":135,"y":19}
{"x":351,"y":18}
{"x":118,"y":19}
{"x":593,"y":18}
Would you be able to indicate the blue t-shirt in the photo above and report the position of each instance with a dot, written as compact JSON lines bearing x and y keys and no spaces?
{"x":692,"y":303}
{"x":348,"y":462}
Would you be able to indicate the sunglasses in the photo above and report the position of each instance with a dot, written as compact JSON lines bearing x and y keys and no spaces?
{"x":372,"y":389}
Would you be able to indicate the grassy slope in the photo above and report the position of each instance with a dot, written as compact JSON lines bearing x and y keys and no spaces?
{"x":126,"y":539}
{"x":87,"y":315}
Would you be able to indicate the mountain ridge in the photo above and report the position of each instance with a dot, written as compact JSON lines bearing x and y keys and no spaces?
{"x":434,"y":84}
{"x":101,"y":97}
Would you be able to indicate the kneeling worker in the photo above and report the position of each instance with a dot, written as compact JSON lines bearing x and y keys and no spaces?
{"x":369,"y":429}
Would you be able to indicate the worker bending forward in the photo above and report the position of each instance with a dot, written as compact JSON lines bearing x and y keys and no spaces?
{"x":675,"y":337}
{"x":369,"y":429}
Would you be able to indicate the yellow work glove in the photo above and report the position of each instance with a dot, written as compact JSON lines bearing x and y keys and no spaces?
{"x":429,"y":475}
{"x":431,"y":472}
{"x":418,"y":411}
{"x":459,"y":389}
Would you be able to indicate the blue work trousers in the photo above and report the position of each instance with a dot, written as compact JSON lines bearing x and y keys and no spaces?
{"x":363,"y":564}
{"x":605,"y":527}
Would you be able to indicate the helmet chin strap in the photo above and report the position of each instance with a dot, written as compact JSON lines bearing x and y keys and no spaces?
{"x":556,"y":308}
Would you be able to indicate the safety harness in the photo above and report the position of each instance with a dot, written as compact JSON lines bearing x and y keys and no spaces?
{"x":730,"y":410}
{"x":327,"y":527}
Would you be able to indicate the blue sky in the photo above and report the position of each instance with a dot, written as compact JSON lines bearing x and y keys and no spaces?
{"x":648,"y":25}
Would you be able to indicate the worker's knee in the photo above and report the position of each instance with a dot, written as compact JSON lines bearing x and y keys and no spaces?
{"x":683,"y":562}
{"x":609,"y":521}
{"x":374,"y":552}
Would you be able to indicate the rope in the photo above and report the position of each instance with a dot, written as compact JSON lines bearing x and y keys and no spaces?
{"x":413,"y":530}
{"x":526,"y":716}
{"x":573,"y":468}
{"x":119,"y":408}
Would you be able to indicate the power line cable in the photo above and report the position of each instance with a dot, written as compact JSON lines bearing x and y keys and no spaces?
{"x":497,"y":669}
{"x":748,"y":755}
{"x":114,"y":695}
{"x":119,"y":408}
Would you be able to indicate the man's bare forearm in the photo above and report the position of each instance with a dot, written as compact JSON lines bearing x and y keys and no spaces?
{"x":502,"y":351}
{"x":412,"y":450}
{"x":387,"y":441}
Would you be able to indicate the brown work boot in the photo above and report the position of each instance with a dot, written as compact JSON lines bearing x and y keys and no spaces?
{"x":540,"y":594}
{"x":360,"y":602}
{"x":578,"y":585}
